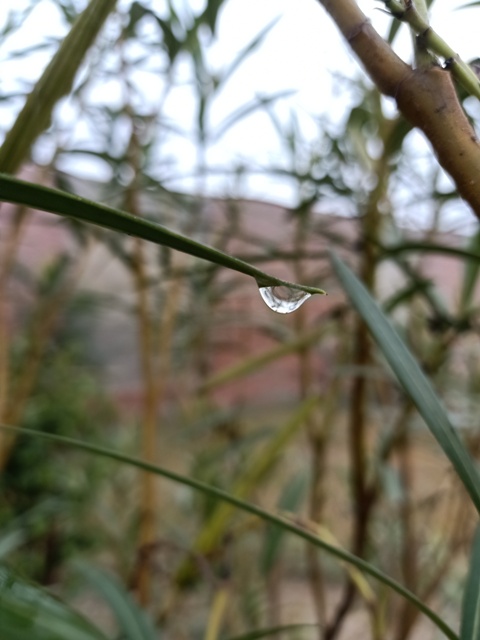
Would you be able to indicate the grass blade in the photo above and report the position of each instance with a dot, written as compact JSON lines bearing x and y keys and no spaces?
{"x":411,"y":378}
{"x":298,"y":530}
{"x":76,"y":208}
{"x":470,"y":627}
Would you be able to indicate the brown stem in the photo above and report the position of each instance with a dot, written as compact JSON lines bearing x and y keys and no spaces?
{"x":148,"y":499}
{"x":425,"y":96}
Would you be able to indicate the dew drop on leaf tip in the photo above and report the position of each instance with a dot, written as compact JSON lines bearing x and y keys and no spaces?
{"x":283,"y":299}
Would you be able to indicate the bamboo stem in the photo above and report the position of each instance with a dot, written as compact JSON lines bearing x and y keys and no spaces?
{"x":149,"y":444}
{"x":425,"y":96}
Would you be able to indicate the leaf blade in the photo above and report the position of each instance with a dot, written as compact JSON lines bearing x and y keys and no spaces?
{"x":470,"y":625}
{"x":286,"y":524}
{"x":27,"y":611}
{"x":131,"y":619}
{"x":411,"y":378}
{"x":56,"y":81}
{"x":65,"y":204}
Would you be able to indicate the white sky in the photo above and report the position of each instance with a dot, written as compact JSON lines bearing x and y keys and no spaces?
{"x":301,"y":53}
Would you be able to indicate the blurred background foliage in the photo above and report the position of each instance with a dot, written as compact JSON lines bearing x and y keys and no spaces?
{"x":109,"y":340}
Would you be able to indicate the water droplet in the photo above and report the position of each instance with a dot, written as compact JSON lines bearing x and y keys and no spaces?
{"x":283,"y":299}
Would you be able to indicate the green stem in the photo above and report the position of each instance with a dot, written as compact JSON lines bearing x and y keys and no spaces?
{"x":417,"y":19}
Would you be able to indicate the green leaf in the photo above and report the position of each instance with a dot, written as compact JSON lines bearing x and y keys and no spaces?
{"x":393,"y":31}
{"x":30,"y":613}
{"x":247,"y":50}
{"x":11,"y":541}
{"x":74,"y":207}
{"x":470,"y":276}
{"x":411,"y":378}
{"x":429,"y":247}
{"x":172,"y":44}
{"x":469,"y":5}
{"x":55,"y":82}
{"x":210,"y":14}
{"x":470,"y":625}
{"x":259,"y":102}
{"x":394,"y":141}
{"x":404,"y":295}
{"x":135,"y":623}
{"x":284,"y":523}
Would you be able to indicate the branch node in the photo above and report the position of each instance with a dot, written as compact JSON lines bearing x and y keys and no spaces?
{"x":421,"y":37}
{"x":357,"y":30}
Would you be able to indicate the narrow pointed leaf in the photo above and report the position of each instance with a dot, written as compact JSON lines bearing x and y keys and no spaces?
{"x":28,"y":612}
{"x":70,"y":206}
{"x":470,"y":627}
{"x":249,"y":49}
{"x":470,"y":276}
{"x":469,"y":5}
{"x":411,"y":378}
{"x":132,"y":621}
{"x":260,"y":102}
{"x":210,"y":14}
{"x":55,"y":82}
{"x":431,"y":247}
{"x":11,"y":541}
{"x":286,"y":524}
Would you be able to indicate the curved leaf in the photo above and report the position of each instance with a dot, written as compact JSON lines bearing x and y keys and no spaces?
{"x":411,"y":378}
{"x":65,"y":204}
{"x":430,"y":247}
{"x":470,"y":627}
{"x":55,"y":82}
{"x":288,"y":525}
{"x":134,"y":622}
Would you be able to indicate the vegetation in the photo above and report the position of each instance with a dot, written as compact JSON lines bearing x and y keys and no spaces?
{"x":329,"y":484}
